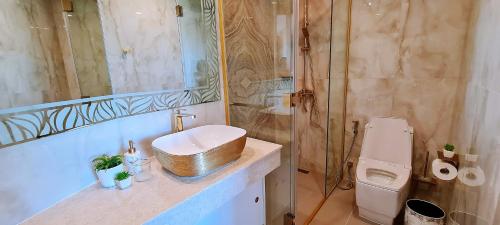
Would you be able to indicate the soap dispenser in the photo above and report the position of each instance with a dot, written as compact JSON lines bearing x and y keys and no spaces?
{"x":132,"y":157}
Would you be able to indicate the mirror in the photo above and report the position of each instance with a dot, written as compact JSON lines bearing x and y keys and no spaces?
{"x":59,"y":50}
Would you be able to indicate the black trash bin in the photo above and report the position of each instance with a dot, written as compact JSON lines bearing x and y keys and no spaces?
{"x":420,"y":212}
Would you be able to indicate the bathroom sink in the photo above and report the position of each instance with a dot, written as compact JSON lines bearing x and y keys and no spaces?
{"x":197,"y":151}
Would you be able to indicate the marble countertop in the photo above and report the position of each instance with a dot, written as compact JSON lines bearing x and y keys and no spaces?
{"x":165,"y":198}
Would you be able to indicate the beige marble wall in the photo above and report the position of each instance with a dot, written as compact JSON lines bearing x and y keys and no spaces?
{"x":477,"y":129}
{"x":149,"y":34}
{"x":31,"y":66}
{"x":405,"y":61}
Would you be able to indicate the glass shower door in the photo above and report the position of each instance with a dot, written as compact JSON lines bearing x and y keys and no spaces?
{"x":259,"y":55}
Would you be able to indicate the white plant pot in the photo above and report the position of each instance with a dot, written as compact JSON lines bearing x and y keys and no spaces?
{"x":107,"y":177}
{"x":124,"y":184}
{"x":448,"y":154}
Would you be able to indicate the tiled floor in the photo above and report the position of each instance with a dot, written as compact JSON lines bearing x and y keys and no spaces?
{"x":309,"y":195}
{"x":339,"y":209}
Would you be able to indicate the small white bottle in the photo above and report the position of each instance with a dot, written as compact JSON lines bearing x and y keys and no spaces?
{"x":132,"y":159}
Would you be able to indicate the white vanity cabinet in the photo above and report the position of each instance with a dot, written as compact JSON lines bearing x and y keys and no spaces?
{"x":247,"y":208}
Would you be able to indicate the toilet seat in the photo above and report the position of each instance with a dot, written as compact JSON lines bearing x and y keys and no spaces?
{"x":380,"y":174}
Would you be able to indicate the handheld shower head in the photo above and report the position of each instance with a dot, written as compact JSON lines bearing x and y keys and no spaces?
{"x":307,"y":45}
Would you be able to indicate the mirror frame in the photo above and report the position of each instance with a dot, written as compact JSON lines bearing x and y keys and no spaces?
{"x":28,"y":123}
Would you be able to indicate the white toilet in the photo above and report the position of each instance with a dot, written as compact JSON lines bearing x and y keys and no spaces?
{"x":384,"y":169}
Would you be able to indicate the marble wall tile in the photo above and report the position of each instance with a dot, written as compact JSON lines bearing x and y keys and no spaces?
{"x":320,"y":17}
{"x":249,"y":42}
{"x":375,"y":39}
{"x":434,"y":39}
{"x":31,"y":62}
{"x":431,"y":114}
{"x":373,"y":97}
{"x":249,"y":58}
{"x":340,"y":27}
{"x":146,"y":28}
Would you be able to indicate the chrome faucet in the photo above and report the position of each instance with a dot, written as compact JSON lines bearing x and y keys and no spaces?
{"x":179,"y":125}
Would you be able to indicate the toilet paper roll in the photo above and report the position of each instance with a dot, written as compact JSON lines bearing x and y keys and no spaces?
{"x":443,"y":170}
{"x":471,"y":176}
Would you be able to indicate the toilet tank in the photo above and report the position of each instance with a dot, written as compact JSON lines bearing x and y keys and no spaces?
{"x":388,"y":139}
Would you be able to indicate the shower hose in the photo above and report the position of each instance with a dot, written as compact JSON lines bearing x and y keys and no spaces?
{"x":349,"y":183}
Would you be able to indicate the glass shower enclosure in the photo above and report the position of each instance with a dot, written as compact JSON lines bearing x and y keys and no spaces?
{"x":260,"y":75}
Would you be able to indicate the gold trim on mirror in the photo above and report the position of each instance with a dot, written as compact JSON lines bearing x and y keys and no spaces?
{"x":24,"y":124}
{"x":223,"y":60}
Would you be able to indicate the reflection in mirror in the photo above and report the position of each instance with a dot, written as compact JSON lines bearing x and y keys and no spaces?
{"x":33,"y":40}
{"x":86,"y":40}
{"x":142,"y":45}
{"x":194,"y":38}
{"x":57,"y":50}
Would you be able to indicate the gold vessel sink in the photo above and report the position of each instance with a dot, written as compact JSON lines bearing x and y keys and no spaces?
{"x":197,"y":151}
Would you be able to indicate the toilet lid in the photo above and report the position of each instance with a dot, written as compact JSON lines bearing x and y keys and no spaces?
{"x":382,"y":174}
{"x":388,"y":139}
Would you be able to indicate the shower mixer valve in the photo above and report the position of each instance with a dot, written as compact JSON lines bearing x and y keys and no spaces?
{"x":355,"y":125}
{"x":301,"y":96}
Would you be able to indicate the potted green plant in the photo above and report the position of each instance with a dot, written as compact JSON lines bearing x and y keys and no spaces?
{"x":123,"y":179}
{"x":106,"y":168}
{"x":448,"y":151}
